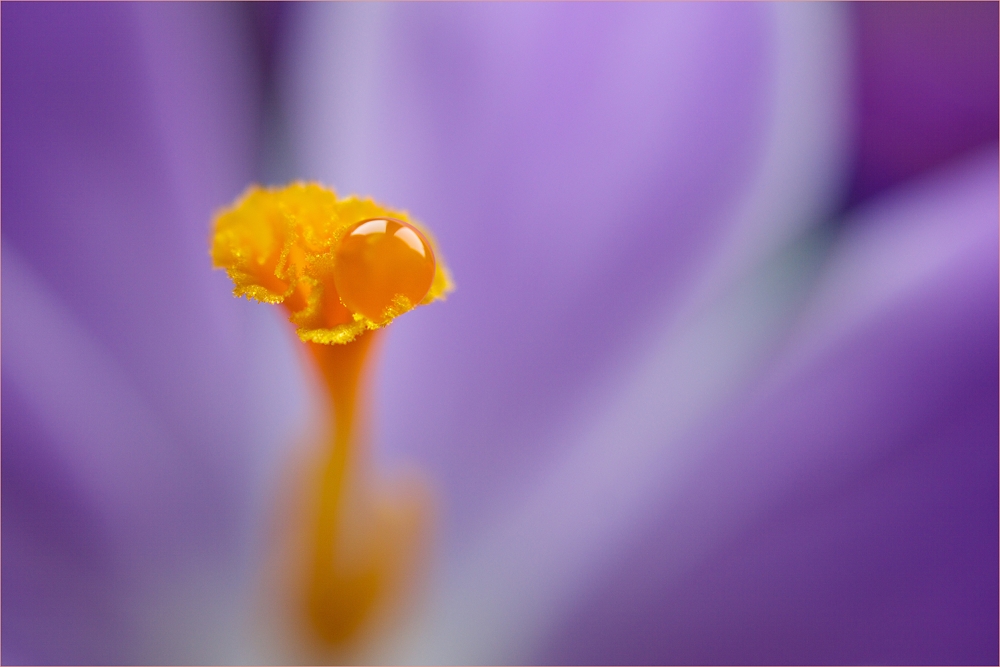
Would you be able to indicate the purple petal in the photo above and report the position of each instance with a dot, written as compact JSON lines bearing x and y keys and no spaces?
{"x":128,"y":429}
{"x":927,"y":87}
{"x":584,"y":167}
{"x":845,"y":511}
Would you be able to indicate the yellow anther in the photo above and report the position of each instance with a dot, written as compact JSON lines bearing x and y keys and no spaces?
{"x":339,"y":266}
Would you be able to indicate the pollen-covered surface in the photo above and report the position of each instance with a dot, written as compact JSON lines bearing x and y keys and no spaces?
{"x":281,"y":246}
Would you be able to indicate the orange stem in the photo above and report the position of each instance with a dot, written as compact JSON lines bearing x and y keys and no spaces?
{"x":342,"y":589}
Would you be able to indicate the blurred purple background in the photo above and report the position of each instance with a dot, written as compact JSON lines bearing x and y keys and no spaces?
{"x":926,"y":88}
{"x":602,"y":181}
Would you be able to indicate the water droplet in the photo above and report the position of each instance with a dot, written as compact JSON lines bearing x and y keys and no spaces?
{"x":378,"y":260}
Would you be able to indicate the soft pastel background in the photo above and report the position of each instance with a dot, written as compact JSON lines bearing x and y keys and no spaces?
{"x":718,"y":386}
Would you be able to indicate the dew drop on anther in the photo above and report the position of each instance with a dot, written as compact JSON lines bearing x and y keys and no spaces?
{"x":378,"y":260}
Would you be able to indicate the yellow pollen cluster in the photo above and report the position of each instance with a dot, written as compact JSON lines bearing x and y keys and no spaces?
{"x":339,"y":266}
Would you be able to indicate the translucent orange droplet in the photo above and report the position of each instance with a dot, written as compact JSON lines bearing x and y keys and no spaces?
{"x":379,"y":261}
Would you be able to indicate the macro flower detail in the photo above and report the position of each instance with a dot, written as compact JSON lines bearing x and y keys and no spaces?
{"x":718,"y":388}
{"x":343,"y":268}
{"x":339,"y":266}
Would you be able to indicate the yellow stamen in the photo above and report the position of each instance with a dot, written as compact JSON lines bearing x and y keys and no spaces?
{"x":286,"y":246}
{"x":342,"y":269}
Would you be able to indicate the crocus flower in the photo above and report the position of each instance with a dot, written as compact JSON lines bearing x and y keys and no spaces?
{"x":672,"y":415}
